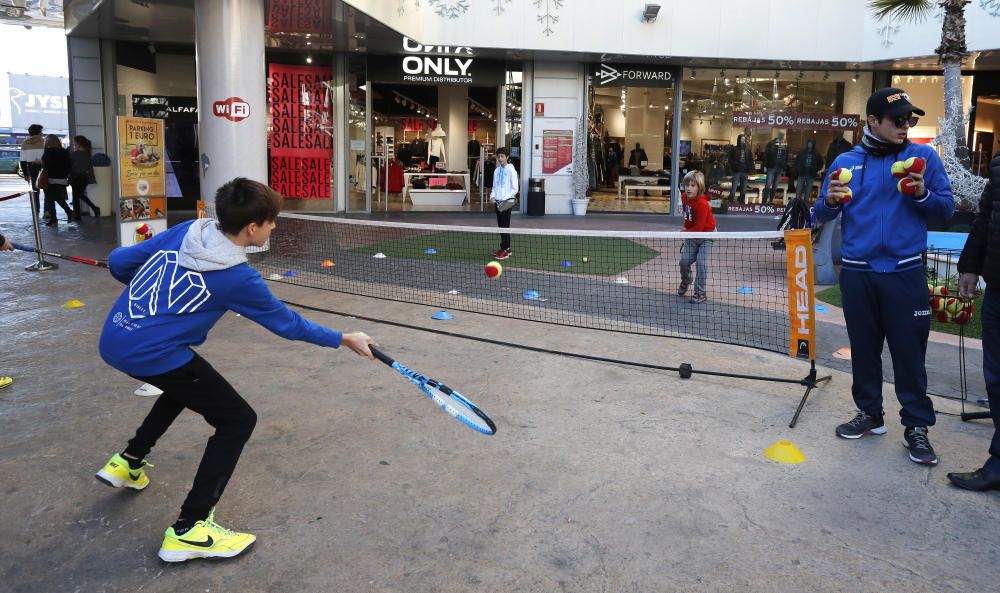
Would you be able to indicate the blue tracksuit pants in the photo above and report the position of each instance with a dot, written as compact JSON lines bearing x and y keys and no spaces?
{"x":893,"y":308}
{"x":991,"y":369}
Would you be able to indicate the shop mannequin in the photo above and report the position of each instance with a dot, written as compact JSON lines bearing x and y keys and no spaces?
{"x":807,"y":166}
{"x":775,"y":162}
{"x":740,"y":163}
{"x":435,"y":147}
{"x":837,"y":148}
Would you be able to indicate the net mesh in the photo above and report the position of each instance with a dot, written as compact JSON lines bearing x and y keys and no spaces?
{"x":608,"y":280}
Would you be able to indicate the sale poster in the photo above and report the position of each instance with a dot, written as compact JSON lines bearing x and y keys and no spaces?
{"x":301,"y":134}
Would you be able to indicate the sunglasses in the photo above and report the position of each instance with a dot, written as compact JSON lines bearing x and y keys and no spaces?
{"x":900,"y":120}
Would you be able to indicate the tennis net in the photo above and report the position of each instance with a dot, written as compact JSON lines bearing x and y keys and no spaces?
{"x":608,"y":280}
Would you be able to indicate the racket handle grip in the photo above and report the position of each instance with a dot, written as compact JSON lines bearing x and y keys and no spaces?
{"x":381,"y":355}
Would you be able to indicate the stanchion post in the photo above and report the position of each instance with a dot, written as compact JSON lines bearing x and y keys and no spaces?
{"x":41,"y":265}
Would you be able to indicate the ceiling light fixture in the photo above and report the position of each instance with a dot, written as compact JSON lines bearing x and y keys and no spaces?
{"x":855,"y":77}
{"x":694,"y":73}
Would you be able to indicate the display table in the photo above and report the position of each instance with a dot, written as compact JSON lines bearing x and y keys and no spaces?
{"x":438,"y":197}
{"x":623,"y":178}
{"x":638,"y":186}
{"x":451,"y":192}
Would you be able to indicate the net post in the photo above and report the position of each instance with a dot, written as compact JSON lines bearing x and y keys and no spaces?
{"x":810,"y":382}
{"x":41,"y":265}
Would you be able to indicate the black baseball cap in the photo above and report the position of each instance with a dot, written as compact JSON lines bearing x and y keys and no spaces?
{"x":891,"y":102}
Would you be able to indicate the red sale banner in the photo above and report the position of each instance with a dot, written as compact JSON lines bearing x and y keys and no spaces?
{"x":301,"y":138}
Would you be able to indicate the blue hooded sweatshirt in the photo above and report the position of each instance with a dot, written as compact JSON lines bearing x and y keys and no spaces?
{"x":179,"y":284}
{"x":883,"y":230}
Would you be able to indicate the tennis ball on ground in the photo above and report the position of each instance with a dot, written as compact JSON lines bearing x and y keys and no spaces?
{"x":899,"y":169}
{"x":907,"y":186}
{"x":493,"y":270}
{"x":842,"y":175}
{"x":585,"y":260}
{"x":914,"y":164}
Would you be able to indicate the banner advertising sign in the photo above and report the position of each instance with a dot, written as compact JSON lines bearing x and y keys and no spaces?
{"x":435,"y":64}
{"x":797,"y":121}
{"x":801,"y":297}
{"x":39,"y":100}
{"x":557,"y":151}
{"x":644,"y":75}
{"x":301,"y":131}
{"x":142,"y":209}
{"x":299,"y":16}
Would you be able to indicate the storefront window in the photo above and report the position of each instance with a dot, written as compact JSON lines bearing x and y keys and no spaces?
{"x":629,"y":137}
{"x":764,"y":137}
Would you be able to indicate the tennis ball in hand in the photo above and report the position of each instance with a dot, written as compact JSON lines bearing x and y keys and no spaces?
{"x":914,"y":164}
{"x":847,"y":197}
{"x":493,"y":270}
{"x":899,"y":169}
{"x":907,"y":186}
{"x":842,"y":175}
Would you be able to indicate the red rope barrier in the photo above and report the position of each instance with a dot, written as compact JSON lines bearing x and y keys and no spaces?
{"x":12,"y":196}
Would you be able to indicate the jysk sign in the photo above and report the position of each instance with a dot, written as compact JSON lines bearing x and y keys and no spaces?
{"x":435,"y":64}
{"x":647,"y":75}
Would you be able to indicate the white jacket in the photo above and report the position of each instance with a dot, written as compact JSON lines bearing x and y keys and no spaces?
{"x":505,"y":183}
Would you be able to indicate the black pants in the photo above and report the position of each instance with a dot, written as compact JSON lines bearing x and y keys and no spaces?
{"x":503,"y":221}
{"x":54,"y":194}
{"x":200,"y":388}
{"x":893,"y":308}
{"x":80,"y":193}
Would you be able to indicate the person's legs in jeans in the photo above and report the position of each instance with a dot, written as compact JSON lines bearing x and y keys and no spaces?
{"x":50,"y":206}
{"x":864,"y":329}
{"x":704,"y":249}
{"x":771,"y":184}
{"x":80,"y":195}
{"x":200,"y":388}
{"x":503,"y":221}
{"x":740,"y":178}
{"x":687,"y":258}
{"x":991,"y":370}
{"x":744,"y":177}
{"x":59,"y":196}
{"x":803,"y":187}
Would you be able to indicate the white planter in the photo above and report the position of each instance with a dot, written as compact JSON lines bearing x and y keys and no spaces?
{"x":579,"y":205}
{"x":437,"y":197}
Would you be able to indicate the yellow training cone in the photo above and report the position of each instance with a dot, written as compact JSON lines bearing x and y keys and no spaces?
{"x":327,"y":263}
{"x":73,"y":304}
{"x":784,"y":452}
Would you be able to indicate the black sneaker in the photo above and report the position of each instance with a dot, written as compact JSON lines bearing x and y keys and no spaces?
{"x":861,"y":425}
{"x":915,"y":439}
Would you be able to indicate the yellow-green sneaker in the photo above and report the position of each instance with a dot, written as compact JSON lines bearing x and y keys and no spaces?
{"x":206,"y":539}
{"x":117,"y":473}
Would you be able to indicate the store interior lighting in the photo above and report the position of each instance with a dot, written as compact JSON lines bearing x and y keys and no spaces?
{"x":413,"y":105}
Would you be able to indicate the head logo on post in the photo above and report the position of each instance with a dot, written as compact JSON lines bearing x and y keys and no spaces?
{"x":233,"y":109}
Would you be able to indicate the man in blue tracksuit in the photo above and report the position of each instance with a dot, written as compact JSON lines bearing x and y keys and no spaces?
{"x":882,"y":281}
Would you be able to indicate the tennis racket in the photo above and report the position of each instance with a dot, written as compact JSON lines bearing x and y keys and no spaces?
{"x":103,"y":263}
{"x":448,"y":399}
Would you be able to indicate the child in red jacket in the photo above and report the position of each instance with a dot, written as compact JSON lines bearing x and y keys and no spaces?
{"x":697,"y":219}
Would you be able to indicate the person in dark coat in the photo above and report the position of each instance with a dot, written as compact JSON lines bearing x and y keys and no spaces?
{"x":775,"y":162}
{"x":837,"y":148}
{"x":81,"y":175}
{"x":740,"y":163}
{"x":57,"y":165}
{"x":638,"y":158}
{"x":807,"y":166}
{"x":981,"y":257}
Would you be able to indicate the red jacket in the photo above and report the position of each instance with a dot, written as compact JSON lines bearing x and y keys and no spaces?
{"x":698,"y":215}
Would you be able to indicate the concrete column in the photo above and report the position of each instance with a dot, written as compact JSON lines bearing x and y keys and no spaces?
{"x":453,"y":116}
{"x":232,"y":133}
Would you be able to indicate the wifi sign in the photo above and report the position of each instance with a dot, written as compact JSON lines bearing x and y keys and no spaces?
{"x":233,"y":109}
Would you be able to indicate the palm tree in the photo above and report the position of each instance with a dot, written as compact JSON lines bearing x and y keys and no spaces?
{"x":951,"y":52}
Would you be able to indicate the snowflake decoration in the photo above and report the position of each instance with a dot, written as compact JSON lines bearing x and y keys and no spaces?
{"x":992,"y":7}
{"x":966,"y":188}
{"x":549,"y":18}
{"x":500,"y":5}
{"x":887,"y":30}
{"x":451,"y":10}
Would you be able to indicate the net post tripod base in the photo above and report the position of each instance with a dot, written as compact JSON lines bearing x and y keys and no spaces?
{"x":810,"y":382}
{"x":41,"y":266}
